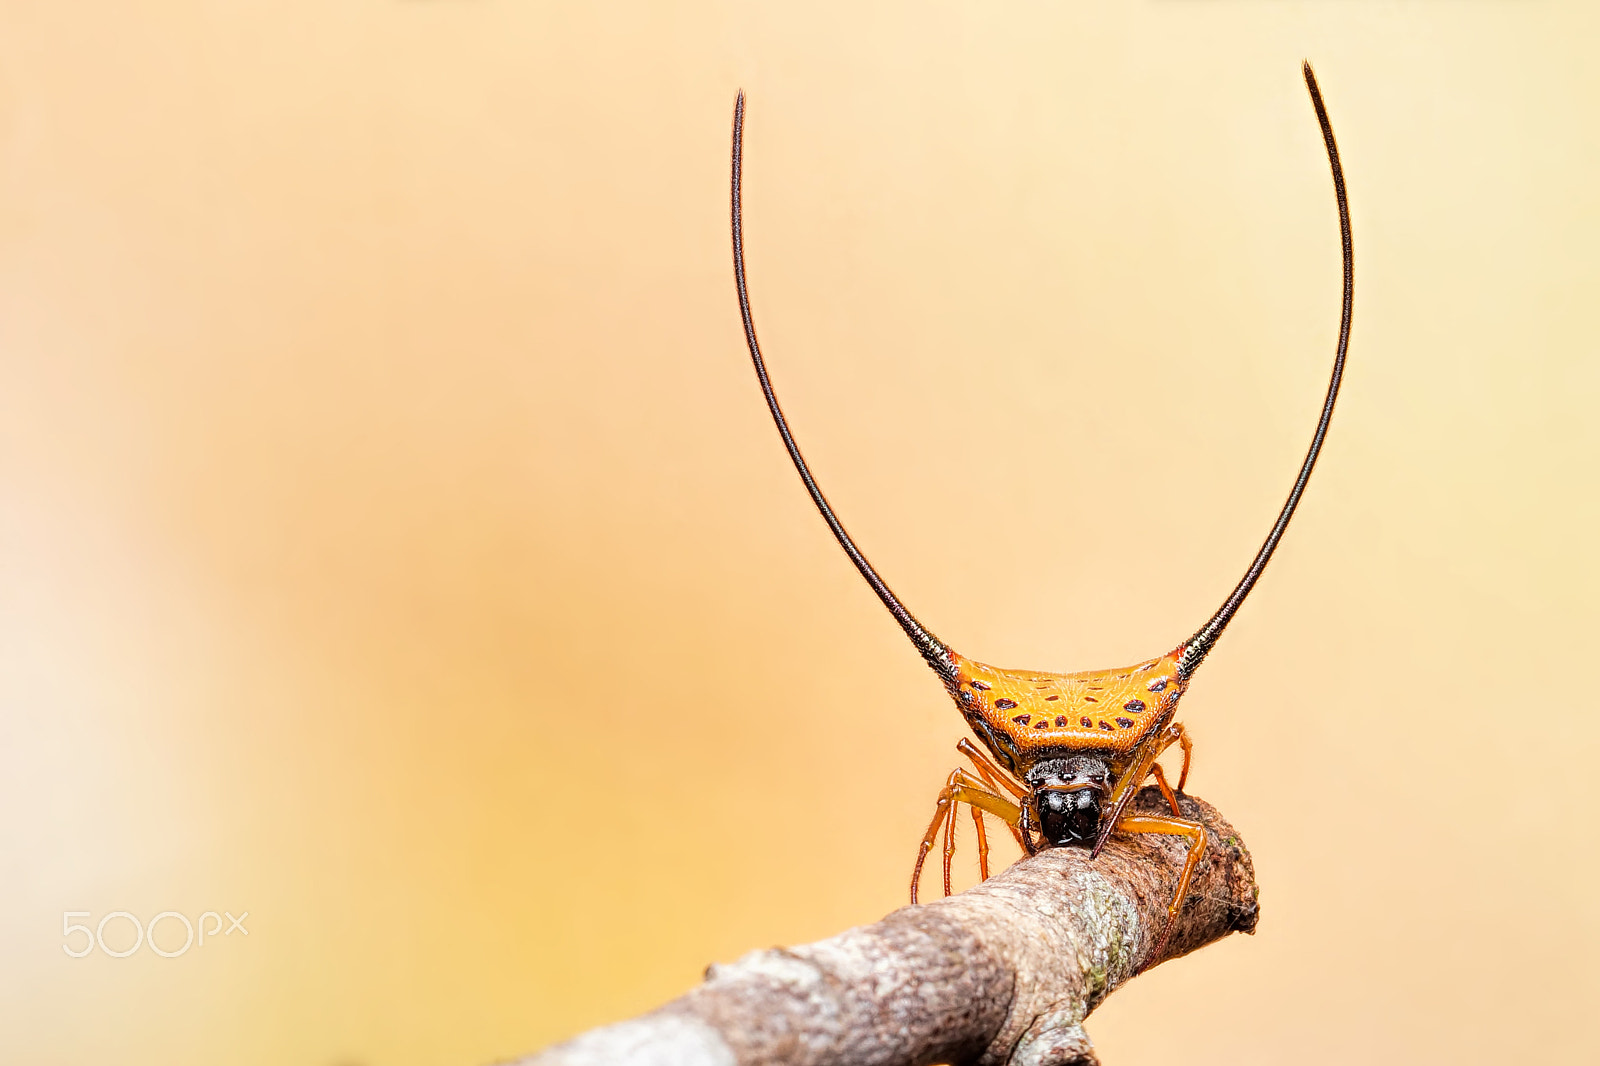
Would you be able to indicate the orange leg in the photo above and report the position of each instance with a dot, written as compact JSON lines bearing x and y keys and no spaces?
{"x":1175,"y":734}
{"x":996,"y":777}
{"x":1166,"y":789}
{"x":1144,"y":823}
{"x":1142,"y":765}
{"x":997,"y":780}
{"x":1128,"y":782}
{"x":949,"y":843}
{"x":1188,"y":753}
{"x":983,"y":845}
{"x":962,"y":787}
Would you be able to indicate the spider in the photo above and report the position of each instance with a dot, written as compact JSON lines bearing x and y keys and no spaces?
{"x":1066,"y":752}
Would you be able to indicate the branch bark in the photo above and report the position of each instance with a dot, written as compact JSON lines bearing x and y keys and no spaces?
{"x":1004,"y":973}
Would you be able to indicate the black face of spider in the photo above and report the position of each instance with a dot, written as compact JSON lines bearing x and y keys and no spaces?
{"x":1067,"y":818}
{"x":1067,"y":796}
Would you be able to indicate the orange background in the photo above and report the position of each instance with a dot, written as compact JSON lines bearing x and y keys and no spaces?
{"x":396,"y":547}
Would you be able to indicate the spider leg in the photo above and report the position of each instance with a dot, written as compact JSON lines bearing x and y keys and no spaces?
{"x":997,"y":780}
{"x":1188,"y":752}
{"x":949,"y":843}
{"x":961,"y":787}
{"x":996,"y":777}
{"x":1166,"y":789}
{"x":1141,"y":766}
{"x":1145,"y":823}
{"x":983,"y":844}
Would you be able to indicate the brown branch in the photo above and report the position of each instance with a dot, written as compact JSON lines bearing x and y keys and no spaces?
{"x":1004,"y":973}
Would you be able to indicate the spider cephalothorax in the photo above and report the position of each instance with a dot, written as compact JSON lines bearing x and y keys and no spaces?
{"x":1069,"y":751}
{"x":1067,"y":797}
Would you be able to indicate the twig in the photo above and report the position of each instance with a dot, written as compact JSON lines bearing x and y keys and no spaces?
{"x":1005,"y":972}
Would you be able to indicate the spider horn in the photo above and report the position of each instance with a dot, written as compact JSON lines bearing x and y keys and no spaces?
{"x":1197,"y":647}
{"x":932,"y":649}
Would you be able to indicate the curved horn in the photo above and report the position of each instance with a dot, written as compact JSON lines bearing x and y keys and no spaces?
{"x":938,"y":656}
{"x":1201,"y":643}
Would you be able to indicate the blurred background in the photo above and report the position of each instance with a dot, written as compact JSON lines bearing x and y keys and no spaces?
{"x":396,"y":547}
